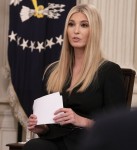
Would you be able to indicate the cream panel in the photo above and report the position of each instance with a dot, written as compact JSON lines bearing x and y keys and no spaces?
{"x":118,"y":18}
{"x":119,"y":40}
{"x":4,"y":23}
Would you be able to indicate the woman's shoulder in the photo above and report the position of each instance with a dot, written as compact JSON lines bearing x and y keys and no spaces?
{"x":109,"y":69}
{"x":52,"y":65}
{"x":107,"y":66}
{"x":49,"y":69}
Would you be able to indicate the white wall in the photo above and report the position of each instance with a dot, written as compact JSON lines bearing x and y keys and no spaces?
{"x":119,"y":45}
{"x":119,"y":33}
{"x":8,"y":126}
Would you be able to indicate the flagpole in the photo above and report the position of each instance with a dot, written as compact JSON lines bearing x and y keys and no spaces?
{"x":35,"y":4}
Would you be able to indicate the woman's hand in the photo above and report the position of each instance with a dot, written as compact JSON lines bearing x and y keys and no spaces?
{"x":33,"y":127}
{"x":67,"y":115}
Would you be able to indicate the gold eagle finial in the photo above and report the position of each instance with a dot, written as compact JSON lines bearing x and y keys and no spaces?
{"x":38,"y":9}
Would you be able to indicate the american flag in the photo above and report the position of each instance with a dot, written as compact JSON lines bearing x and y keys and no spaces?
{"x":35,"y":39}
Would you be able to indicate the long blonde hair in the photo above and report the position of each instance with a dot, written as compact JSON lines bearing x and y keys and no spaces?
{"x":92,"y":56}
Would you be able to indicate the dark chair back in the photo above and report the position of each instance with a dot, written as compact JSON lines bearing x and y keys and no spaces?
{"x":129,"y":77}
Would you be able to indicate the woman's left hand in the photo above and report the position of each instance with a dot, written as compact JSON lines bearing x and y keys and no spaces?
{"x":67,"y":115}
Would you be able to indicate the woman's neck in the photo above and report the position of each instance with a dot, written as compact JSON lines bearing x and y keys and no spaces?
{"x":79,"y":54}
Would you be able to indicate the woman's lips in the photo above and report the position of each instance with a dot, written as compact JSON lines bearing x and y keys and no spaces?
{"x":76,"y":39}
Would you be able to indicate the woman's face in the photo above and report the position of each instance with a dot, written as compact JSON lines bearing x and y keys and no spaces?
{"x":78,"y":30}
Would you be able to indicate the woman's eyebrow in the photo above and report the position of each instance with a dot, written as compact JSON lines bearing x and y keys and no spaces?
{"x":84,"y":21}
{"x":80,"y":20}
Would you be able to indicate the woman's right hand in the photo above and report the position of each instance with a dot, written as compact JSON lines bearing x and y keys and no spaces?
{"x":33,"y":127}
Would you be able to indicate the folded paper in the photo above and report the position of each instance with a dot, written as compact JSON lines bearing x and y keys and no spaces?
{"x":45,"y":107}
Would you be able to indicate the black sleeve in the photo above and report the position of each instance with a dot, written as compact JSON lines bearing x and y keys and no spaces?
{"x":114,"y":92}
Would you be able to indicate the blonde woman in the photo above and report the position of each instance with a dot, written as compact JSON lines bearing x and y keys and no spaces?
{"x":88,"y":83}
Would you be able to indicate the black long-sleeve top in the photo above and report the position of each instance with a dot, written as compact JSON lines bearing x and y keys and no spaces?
{"x":104,"y":93}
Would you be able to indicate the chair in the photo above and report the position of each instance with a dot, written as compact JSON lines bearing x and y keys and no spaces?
{"x":129,"y":77}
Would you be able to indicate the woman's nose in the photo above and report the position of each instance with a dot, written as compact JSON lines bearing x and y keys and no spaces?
{"x":77,"y":29}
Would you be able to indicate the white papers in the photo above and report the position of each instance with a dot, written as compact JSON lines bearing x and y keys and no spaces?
{"x":45,"y":107}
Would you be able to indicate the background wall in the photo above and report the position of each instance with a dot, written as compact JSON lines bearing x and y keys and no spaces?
{"x":119,"y":39}
{"x":119,"y":45}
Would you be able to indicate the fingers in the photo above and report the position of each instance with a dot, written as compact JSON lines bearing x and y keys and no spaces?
{"x":32,"y":122}
{"x":64,"y":116}
{"x":61,"y":110}
{"x":32,"y":116}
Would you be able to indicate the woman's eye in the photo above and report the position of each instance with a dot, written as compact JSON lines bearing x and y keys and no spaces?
{"x":84,"y":25}
{"x":70,"y":24}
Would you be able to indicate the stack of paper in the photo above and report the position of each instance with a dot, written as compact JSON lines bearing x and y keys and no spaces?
{"x":45,"y":107}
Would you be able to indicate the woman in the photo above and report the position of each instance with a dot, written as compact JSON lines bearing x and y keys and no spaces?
{"x":88,"y":83}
